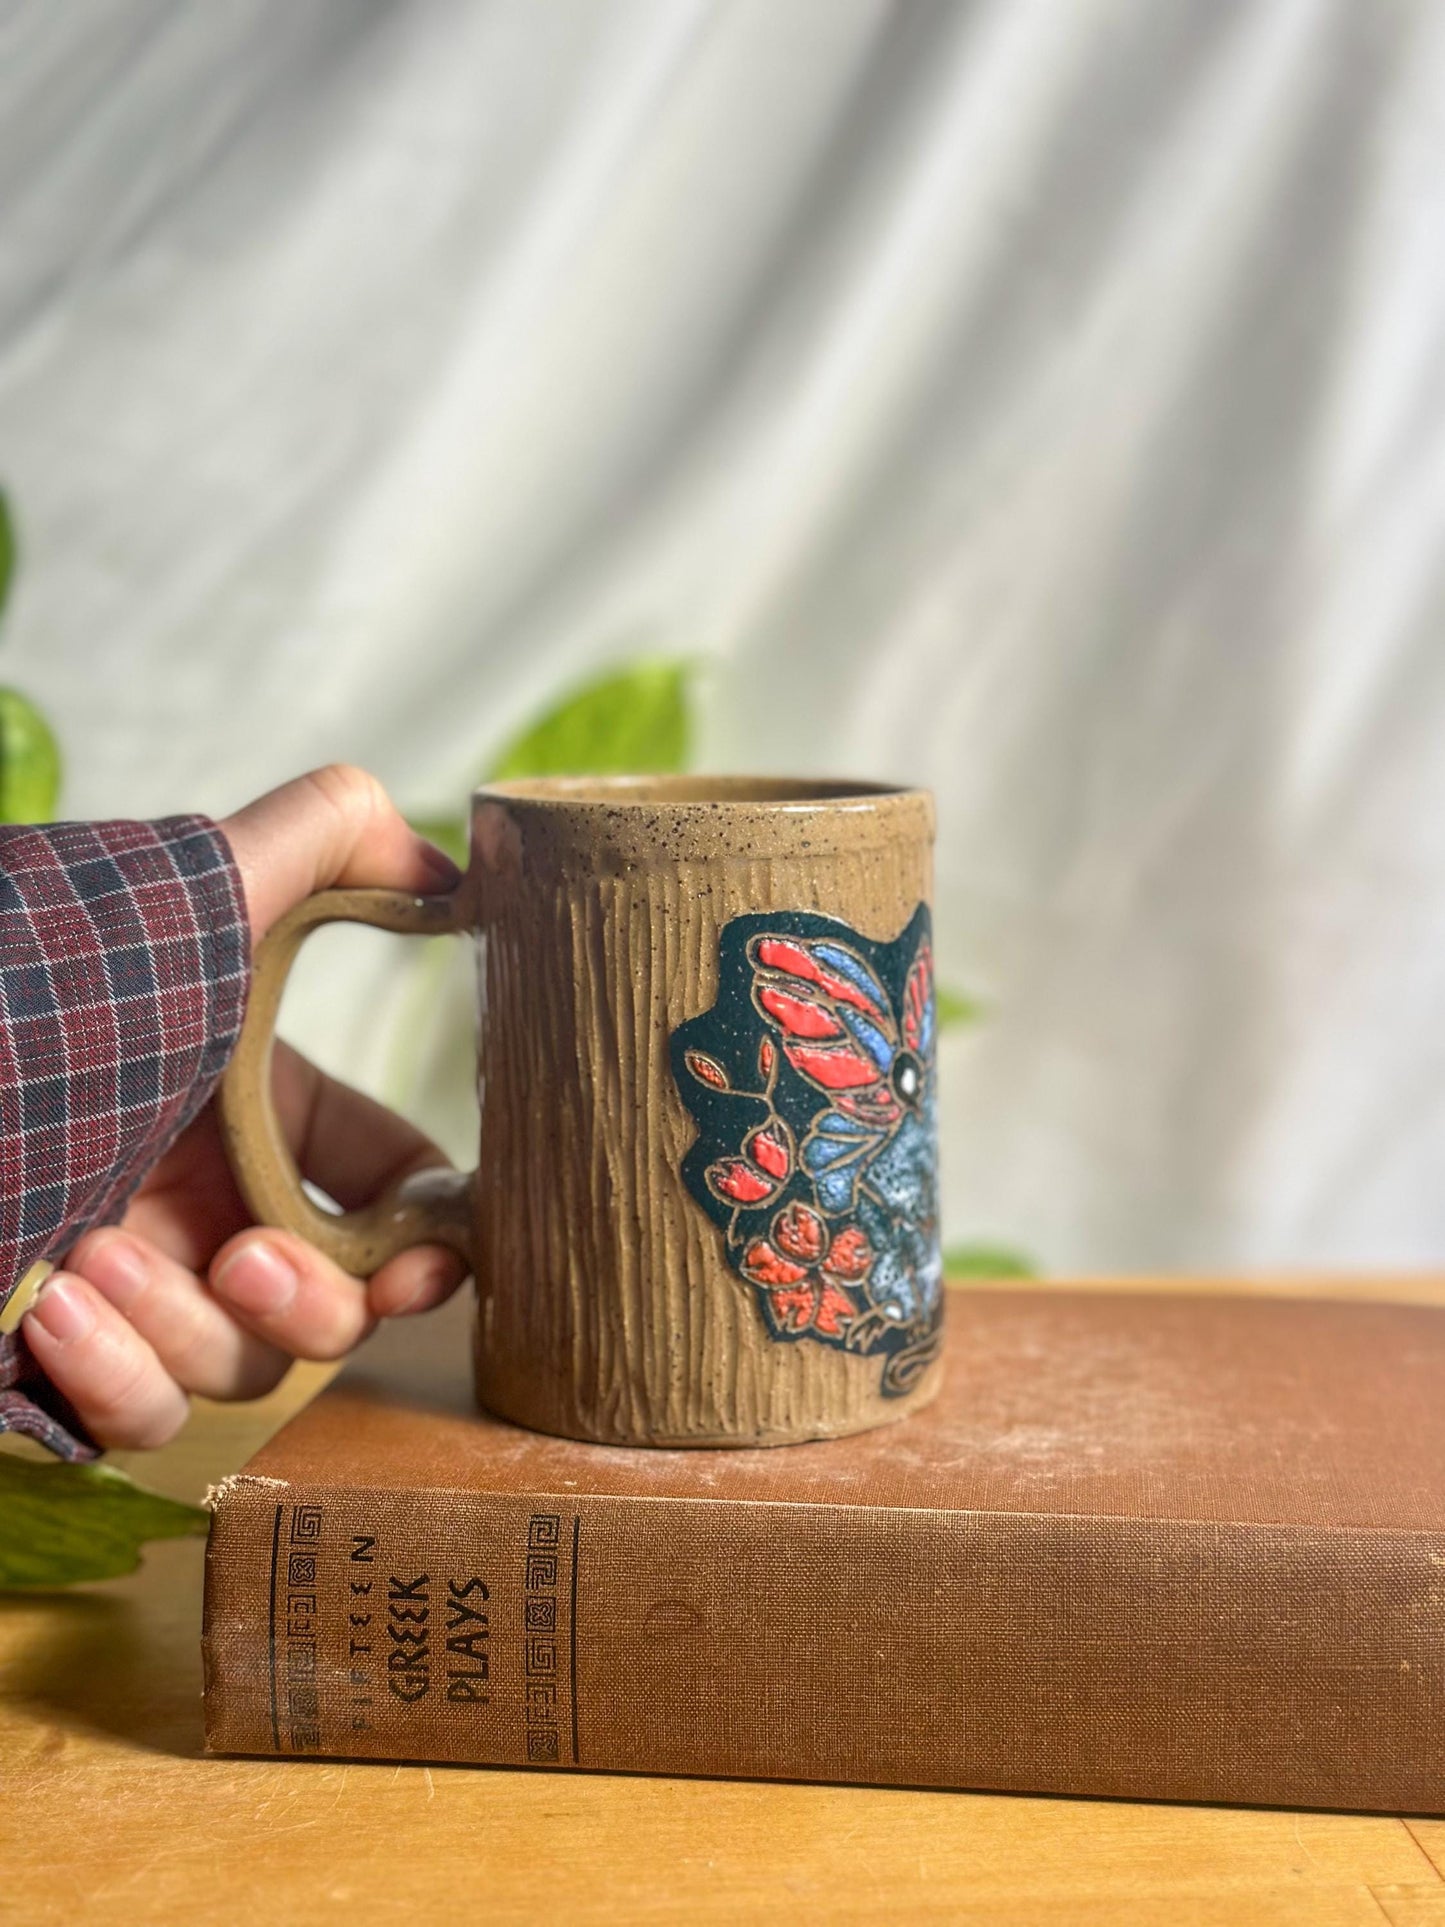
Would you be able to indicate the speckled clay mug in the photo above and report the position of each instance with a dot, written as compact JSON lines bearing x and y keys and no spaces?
{"x":705,"y":1210}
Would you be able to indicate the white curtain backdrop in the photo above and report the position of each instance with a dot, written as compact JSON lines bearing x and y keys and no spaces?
{"x":1042,"y":399}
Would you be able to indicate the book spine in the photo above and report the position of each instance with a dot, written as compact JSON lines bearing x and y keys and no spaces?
{"x":1040,"y":1653}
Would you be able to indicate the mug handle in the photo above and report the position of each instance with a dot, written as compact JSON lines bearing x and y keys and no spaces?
{"x":429,"y":1207}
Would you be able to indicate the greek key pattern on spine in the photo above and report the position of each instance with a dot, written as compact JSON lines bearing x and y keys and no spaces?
{"x":539,"y":1638}
{"x":298,"y":1626}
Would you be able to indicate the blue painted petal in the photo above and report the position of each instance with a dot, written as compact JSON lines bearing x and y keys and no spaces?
{"x":869,"y":1036}
{"x":836,"y":1124}
{"x":929,"y":1021}
{"x":835,"y":1191}
{"x":857,"y":973}
{"x":821,"y":1152}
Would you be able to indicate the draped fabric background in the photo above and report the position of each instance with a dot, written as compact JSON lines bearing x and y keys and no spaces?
{"x":1044,"y":401}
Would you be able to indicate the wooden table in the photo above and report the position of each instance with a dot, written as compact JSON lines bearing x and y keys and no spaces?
{"x":108,"y":1811}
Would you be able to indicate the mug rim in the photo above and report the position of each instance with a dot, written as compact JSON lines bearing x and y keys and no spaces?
{"x":701,"y":792}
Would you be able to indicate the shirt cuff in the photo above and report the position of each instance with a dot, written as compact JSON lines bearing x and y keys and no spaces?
{"x":31,"y":1407}
{"x":124,"y":971}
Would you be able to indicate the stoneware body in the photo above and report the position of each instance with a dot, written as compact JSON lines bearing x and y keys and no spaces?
{"x":705,"y":1209}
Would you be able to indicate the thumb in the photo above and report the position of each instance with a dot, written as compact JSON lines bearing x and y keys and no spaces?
{"x":336,"y":825}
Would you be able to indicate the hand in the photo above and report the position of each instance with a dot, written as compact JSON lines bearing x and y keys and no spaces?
{"x":187,"y":1295}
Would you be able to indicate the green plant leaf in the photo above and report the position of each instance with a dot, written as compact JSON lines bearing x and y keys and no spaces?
{"x":29,"y":762}
{"x":954,"y":1009}
{"x":449,"y":833}
{"x":987,"y":1261}
{"x":63,"y":1523}
{"x":635,"y":721}
{"x":7,"y":549}
{"x":632,"y":721}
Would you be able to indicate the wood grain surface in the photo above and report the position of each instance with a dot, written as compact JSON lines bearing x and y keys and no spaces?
{"x":108,"y":1812}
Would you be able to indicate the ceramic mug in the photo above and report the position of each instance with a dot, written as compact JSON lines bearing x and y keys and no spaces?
{"x":705,"y":1209}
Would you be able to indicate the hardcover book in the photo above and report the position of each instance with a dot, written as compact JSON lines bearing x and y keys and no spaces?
{"x":1168,"y":1546}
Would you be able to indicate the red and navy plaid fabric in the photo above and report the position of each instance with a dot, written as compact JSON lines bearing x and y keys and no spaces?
{"x":124,"y":965}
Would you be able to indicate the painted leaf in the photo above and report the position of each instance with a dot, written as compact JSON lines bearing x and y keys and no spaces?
{"x":708,"y":1070}
{"x":29,"y":762}
{"x":60,"y":1524}
{"x":632,"y":721}
{"x":770,"y":1149}
{"x":735,"y":1180}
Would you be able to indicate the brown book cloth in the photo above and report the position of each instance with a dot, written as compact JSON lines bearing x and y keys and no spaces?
{"x":1180,"y":1547}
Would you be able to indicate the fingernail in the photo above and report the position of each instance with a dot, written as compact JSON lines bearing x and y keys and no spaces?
{"x":61,"y":1312}
{"x":439,"y":863}
{"x":258,"y":1279}
{"x":118,"y":1269}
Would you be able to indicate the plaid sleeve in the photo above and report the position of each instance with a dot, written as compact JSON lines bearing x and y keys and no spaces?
{"x":124,"y":966}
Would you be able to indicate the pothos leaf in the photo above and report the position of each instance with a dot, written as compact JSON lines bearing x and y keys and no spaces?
{"x":449,"y":833}
{"x":29,"y":762}
{"x":987,"y":1261}
{"x":954,"y":1009}
{"x":635,"y":721}
{"x":60,"y":1524}
{"x":7,"y":549}
{"x":632,"y":721}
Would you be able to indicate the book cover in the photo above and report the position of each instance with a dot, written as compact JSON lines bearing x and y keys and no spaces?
{"x":1172,"y":1546}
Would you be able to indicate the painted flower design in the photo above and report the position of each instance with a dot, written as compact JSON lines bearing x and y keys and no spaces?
{"x":808,"y":1272}
{"x":812,"y":1084}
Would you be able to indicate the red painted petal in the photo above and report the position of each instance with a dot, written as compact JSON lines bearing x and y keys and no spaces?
{"x":765,"y":1267}
{"x":876,"y":1107}
{"x":767,"y":1057}
{"x":794,"y":1309}
{"x":849,"y":1255}
{"x":800,"y":1233}
{"x":707,"y":1070}
{"x":835,"y":1070}
{"x":798,"y":1018}
{"x":777,"y":954}
{"x":738,"y":1182}
{"x":847,"y":993}
{"x":771,"y":1150}
{"x":835,"y":1308}
{"x":916,"y":995}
